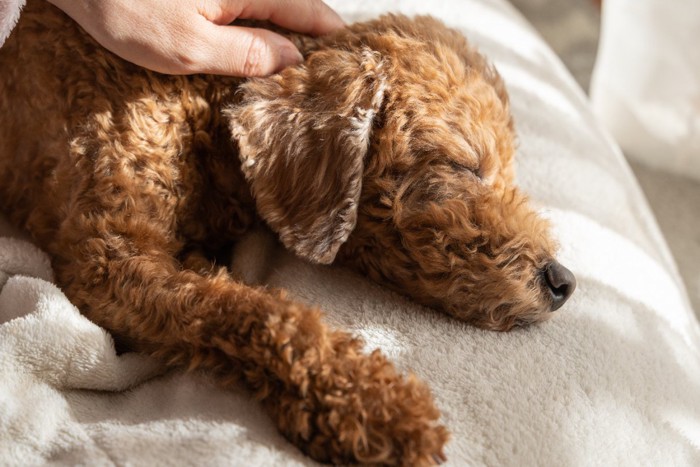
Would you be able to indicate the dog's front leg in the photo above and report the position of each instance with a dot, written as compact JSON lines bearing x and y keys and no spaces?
{"x":335,"y":402}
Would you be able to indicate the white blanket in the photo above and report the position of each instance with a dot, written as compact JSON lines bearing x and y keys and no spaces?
{"x":613,"y":379}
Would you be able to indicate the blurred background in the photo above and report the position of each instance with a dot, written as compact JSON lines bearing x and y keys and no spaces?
{"x":571,"y":27}
{"x":664,"y":169}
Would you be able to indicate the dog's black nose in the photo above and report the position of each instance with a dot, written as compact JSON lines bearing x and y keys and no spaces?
{"x":561,"y":283}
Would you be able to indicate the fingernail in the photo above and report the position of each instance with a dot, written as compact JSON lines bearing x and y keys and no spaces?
{"x":289,"y":56}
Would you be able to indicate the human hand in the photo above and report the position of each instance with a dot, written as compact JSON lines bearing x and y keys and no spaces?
{"x":193,"y":36}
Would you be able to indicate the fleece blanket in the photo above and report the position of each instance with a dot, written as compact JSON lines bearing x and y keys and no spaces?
{"x":613,"y":379}
{"x":9,"y":13}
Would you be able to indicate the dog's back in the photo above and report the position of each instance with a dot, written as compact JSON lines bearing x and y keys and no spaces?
{"x":58,"y":86}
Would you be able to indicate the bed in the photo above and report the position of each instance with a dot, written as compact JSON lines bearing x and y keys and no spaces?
{"x":613,"y":379}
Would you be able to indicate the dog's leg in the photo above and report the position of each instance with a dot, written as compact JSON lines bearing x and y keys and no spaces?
{"x":328,"y":397}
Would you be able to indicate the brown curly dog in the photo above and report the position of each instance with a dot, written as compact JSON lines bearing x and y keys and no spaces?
{"x":388,"y":151}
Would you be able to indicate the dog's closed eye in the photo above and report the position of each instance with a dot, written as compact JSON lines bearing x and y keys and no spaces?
{"x":460,"y":167}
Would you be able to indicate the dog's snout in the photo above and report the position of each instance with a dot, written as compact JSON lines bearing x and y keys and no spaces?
{"x":561,"y":283}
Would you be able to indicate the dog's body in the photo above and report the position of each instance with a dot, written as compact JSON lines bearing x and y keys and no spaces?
{"x":389,"y":151}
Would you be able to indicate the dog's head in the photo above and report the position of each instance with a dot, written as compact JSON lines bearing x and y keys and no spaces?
{"x":390,"y":149}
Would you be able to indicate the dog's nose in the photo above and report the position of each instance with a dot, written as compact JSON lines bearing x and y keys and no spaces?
{"x":561,"y":283}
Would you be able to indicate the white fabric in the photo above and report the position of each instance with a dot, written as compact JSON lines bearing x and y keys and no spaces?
{"x":611,"y":380}
{"x":646,"y":83}
{"x":9,"y":13}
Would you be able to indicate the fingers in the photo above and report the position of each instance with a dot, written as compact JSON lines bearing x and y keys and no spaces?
{"x":304,"y":16}
{"x":239,"y":51}
{"x":247,"y":52}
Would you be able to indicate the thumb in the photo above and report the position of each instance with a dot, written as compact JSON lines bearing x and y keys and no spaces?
{"x":248,"y":52}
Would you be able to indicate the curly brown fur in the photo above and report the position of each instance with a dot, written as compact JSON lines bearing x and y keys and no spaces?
{"x":389,"y":151}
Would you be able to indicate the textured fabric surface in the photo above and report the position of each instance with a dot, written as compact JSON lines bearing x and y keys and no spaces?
{"x":675,"y":200}
{"x":646,"y":92}
{"x":9,"y":13}
{"x":612,"y":379}
{"x":571,"y":28}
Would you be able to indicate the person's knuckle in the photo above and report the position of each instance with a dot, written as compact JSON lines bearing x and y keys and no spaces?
{"x":256,"y":57}
{"x":184,"y":60}
{"x":189,"y":54}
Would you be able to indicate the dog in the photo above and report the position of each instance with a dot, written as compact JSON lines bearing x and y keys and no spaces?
{"x":388,"y":151}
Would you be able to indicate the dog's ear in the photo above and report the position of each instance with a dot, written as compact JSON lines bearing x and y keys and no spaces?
{"x":302,"y":137}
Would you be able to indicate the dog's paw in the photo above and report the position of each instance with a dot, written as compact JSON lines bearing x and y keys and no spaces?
{"x":355,"y":407}
{"x":334,"y":401}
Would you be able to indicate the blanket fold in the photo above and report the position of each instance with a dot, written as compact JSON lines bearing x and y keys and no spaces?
{"x":44,"y":332}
